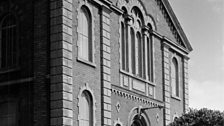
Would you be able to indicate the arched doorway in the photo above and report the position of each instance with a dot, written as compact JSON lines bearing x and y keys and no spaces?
{"x":138,"y":121}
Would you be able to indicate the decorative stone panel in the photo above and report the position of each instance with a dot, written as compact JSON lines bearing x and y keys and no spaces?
{"x":61,"y":110}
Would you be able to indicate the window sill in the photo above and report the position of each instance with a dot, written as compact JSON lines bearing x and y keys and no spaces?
{"x":137,"y":78}
{"x":86,"y":62}
{"x":9,"y":69}
{"x":175,"y":97}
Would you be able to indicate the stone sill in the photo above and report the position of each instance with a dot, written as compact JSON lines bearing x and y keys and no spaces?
{"x":86,"y":62}
{"x":175,"y":97}
{"x":137,"y":78}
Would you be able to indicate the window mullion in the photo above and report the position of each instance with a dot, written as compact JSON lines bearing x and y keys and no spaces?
{"x":129,"y":47}
{"x":142,"y":56}
{"x":146,"y":55}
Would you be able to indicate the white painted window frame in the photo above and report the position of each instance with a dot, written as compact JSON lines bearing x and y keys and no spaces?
{"x":88,"y":6}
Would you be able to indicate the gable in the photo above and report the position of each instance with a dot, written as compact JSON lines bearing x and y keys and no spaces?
{"x":178,"y":31}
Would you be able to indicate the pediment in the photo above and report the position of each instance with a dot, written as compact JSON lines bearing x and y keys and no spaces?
{"x":176,"y":28}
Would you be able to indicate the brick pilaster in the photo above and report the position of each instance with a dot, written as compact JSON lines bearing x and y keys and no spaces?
{"x":61,"y":110}
{"x":106,"y":67}
{"x":166,"y":74}
{"x":186,"y":91}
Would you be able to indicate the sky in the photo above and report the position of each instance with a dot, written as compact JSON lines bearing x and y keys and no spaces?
{"x":203,"y":23}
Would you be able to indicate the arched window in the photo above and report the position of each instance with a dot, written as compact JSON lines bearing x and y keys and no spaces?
{"x":139,"y":40}
{"x":174,"y":77}
{"x":136,"y":44}
{"x":123,"y":46}
{"x":133,"y":51}
{"x":86,"y":109}
{"x":85,"y":35}
{"x":150,"y":54}
{"x":8,"y":41}
{"x":124,"y":43}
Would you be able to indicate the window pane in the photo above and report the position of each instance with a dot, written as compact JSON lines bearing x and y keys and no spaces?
{"x":85,"y":109}
{"x":123,"y":46}
{"x":85,"y":48}
{"x":139,"y":54}
{"x":133,"y":50}
{"x":126,"y":48}
{"x":174,"y":78}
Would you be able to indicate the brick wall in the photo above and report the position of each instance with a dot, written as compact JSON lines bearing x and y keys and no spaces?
{"x":83,"y":73}
{"x":41,"y":63}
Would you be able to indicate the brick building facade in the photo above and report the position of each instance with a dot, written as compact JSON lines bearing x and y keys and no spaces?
{"x":91,"y":63}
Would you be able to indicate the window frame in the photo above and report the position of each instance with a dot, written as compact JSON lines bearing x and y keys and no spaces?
{"x":85,"y":5}
{"x":175,"y":67}
{"x":88,"y":118}
{"x":15,"y":52}
{"x":90,"y":93}
{"x":135,"y":23}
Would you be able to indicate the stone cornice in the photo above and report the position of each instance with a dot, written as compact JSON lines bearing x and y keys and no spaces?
{"x":146,"y":101}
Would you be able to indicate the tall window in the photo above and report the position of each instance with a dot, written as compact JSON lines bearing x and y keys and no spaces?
{"x":8,"y":41}
{"x":124,"y":45}
{"x":150,"y":57}
{"x":136,"y":45}
{"x":133,"y":51}
{"x":86,"y":109}
{"x":137,"y":25}
{"x":139,"y":54}
{"x":174,"y":77}
{"x":85,"y":35}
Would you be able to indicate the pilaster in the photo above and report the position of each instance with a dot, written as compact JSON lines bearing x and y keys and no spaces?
{"x":145,"y":35}
{"x":186,"y":91}
{"x":106,"y":66}
{"x":166,"y":74}
{"x":61,"y":97}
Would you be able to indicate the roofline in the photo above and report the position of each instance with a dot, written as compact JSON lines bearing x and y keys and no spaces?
{"x":176,"y":23}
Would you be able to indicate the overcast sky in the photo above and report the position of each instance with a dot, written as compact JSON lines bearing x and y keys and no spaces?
{"x":203,"y":23}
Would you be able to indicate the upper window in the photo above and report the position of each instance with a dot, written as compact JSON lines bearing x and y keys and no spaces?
{"x":174,"y":78}
{"x":8,"y":41}
{"x":86,"y":109}
{"x":124,"y":43}
{"x":136,"y":45}
{"x":85,"y":48}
